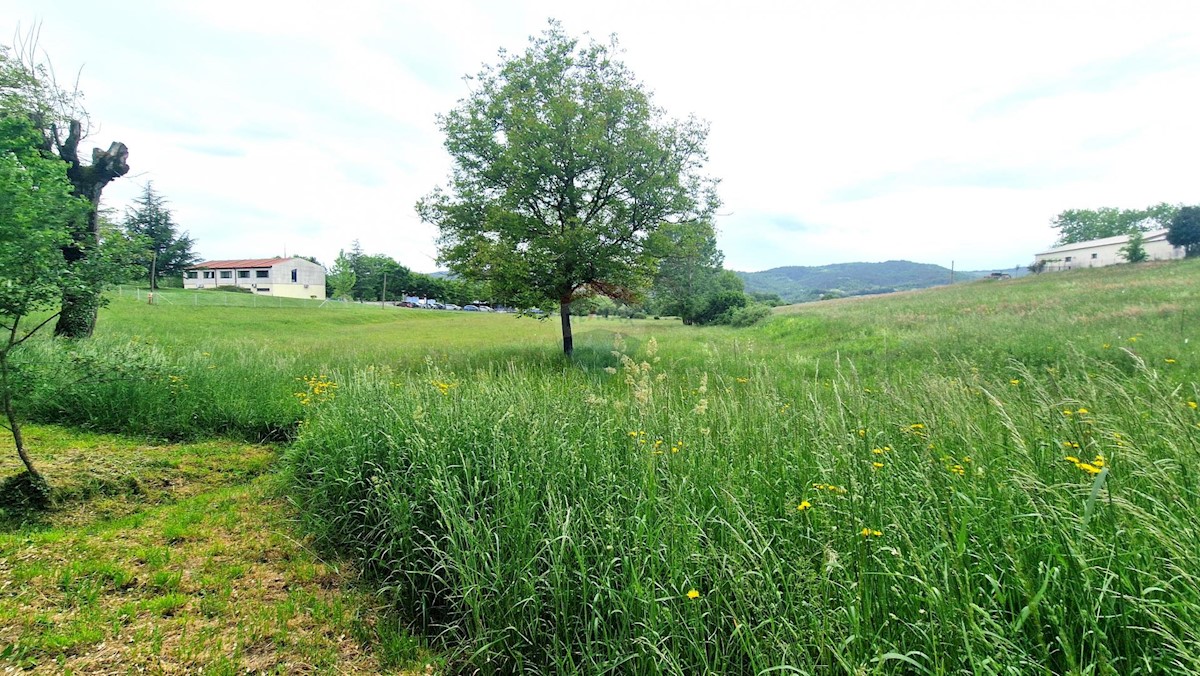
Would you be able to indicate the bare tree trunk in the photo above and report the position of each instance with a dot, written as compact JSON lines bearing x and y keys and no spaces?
{"x":80,"y":304}
{"x":564,"y":312}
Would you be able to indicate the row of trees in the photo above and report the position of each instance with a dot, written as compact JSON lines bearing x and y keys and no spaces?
{"x":1181,"y":222}
{"x":356,"y":275}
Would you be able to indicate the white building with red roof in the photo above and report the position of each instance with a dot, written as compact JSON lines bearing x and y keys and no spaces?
{"x":288,"y":277}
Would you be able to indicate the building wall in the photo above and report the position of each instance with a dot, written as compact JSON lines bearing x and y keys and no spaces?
{"x":1102,"y":252}
{"x":275,"y":280}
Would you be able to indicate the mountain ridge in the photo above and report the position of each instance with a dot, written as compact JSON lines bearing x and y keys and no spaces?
{"x":800,"y":283}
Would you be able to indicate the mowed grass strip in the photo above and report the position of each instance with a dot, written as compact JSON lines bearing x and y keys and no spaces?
{"x":176,"y":559}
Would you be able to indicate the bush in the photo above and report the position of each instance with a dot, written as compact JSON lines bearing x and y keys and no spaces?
{"x":749,"y":315}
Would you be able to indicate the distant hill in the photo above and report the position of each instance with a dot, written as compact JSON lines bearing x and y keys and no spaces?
{"x":798,"y":284}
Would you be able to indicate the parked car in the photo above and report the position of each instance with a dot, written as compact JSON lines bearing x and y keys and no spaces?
{"x":484,"y":308}
{"x":404,"y":303}
{"x":451,"y":306}
{"x":470,"y":308}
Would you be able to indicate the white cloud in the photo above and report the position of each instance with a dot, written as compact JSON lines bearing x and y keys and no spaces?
{"x":933,"y":131}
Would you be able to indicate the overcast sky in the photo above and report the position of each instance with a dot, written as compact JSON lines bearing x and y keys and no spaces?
{"x":841,"y":131}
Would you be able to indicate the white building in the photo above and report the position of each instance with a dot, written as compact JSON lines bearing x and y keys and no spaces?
{"x":288,"y":277}
{"x":1100,"y":252}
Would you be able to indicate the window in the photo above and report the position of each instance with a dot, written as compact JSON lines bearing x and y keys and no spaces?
{"x":1095,"y":256}
{"x":263,"y":289}
{"x":208,"y":274}
{"x":226,"y":274}
{"x":293,"y":275}
{"x":193,"y":274}
{"x":243,"y":274}
{"x":1067,"y":259}
{"x":262,"y":274}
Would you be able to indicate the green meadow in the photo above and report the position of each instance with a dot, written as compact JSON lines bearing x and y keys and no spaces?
{"x":994,"y":477}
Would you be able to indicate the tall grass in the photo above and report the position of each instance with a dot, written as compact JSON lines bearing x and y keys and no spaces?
{"x":523,"y":510}
{"x":564,"y":525}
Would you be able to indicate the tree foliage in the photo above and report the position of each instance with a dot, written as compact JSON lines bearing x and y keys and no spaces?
{"x":1135,"y":250}
{"x":342,"y":278}
{"x":1082,"y":225}
{"x":687,"y":272}
{"x":164,"y":252}
{"x":1185,"y":230}
{"x":564,"y":169}
{"x":37,"y":210}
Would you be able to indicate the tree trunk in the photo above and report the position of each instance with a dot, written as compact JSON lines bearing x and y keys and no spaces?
{"x":81,"y":302}
{"x":564,"y":312}
{"x":13,"y":424}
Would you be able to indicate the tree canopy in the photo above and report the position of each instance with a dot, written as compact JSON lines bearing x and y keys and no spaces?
{"x":1185,"y":230}
{"x":1082,"y":225}
{"x":37,"y":209}
{"x":563,"y":171}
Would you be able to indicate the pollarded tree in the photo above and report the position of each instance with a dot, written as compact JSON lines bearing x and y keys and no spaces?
{"x":1185,"y":230}
{"x":563,"y":170}
{"x":166,"y":252}
{"x":63,"y":125}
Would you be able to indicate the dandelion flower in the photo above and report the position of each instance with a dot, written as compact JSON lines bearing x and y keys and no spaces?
{"x":804,"y":505}
{"x":693,"y":594}
{"x":1169,"y":360}
{"x":877,"y":465}
{"x":868,"y":533}
{"x":1192,"y":405}
{"x":1082,"y":411}
{"x":1014,"y":381}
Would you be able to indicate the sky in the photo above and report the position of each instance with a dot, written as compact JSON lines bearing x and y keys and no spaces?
{"x":939,"y":132}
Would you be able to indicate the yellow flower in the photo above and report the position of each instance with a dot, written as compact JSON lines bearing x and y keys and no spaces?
{"x":1072,"y":459}
{"x":1169,"y":360}
{"x":863,"y":433}
{"x":693,"y":594}
{"x":877,"y":451}
{"x":1082,"y":411}
{"x":1088,"y":467}
{"x":877,"y":465}
{"x":1106,"y":346}
{"x":1192,"y":405}
{"x":867,"y":533}
{"x":804,"y":505}
{"x":743,"y":380}
{"x":1014,"y":381}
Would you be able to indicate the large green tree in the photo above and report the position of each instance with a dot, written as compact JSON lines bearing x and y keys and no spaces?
{"x":165,"y":251}
{"x":1185,"y":230}
{"x":564,"y":169}
{"x":1082,"y":225}
{"x":37,"y":213}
